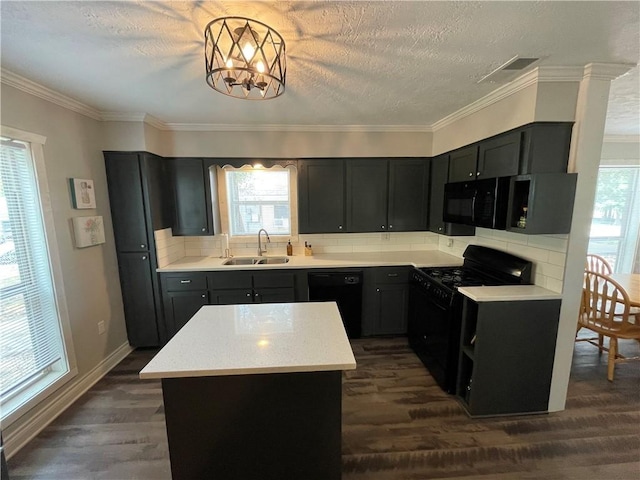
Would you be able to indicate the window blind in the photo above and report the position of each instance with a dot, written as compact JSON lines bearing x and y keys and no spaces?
{"x":30,"y":336}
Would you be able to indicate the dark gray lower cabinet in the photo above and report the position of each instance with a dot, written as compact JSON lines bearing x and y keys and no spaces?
{"x":136,"y":280}
{"x":184,"y":293}
{"x":181,"y":306}
{"x":506,"y":356}
{"x":385,"y":301}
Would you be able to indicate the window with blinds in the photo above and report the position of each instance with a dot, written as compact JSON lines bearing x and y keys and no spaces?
{"x":31,"y":341}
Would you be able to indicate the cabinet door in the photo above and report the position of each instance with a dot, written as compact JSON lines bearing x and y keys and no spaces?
{"x":408,"y":194}
{"x":126,"y":199}
{"x":500,"y":156}
{"x":138,"y":299}
{"x":392,"y":303}
{"x":463,"y":163}
{"x":439,"y":175}
{"x":155,"y":185}
{"x":275,"y":295}
{"x":367,"y":194}
{"x":321,"y":196}
{"x":231,"y":297}
{"x":192,"y":197}
{"x":179,"y":307}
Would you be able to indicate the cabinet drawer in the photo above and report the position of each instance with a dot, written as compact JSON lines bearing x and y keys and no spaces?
{"x":273,"y":280}
{"x":391,"y":275}
{"x":227,"y":280}
{"x":176,"y":283}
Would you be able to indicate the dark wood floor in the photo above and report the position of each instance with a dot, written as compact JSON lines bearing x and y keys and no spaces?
{"x":397,"y":424}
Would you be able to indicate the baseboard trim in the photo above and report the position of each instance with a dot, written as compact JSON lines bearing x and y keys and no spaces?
{"x":27,"y":431}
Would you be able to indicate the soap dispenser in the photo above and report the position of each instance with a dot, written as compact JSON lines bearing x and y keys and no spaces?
{"x":289,"y":249}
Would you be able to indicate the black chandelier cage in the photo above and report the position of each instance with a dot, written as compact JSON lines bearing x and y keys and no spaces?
{"x":244,"y":58}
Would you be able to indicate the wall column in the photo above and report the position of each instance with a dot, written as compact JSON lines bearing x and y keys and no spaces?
{"x":584,"y":159}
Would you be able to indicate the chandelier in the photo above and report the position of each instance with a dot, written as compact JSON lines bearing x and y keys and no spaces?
{"x":244,"y":58}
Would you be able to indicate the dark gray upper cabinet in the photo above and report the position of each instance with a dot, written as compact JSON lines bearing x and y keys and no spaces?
{"x":498,"y":157}
{"x":321,"y":196}
{"x":545,"y":147}
{"x":387,"y":195}
{"x":438,"y":177}
{"x":408,"y":194}
{"x":191,"y":197}
{"x":541,"y":147}
{"x":463,"y":164}
{"x":136,"y":181}
{"x":367,"y":195}
{"x":548,"y":198}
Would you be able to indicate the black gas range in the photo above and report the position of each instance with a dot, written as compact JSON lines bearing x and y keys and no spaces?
{"x":435,"y":306}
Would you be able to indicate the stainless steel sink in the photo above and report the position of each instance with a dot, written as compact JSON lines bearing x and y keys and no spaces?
{"x":272,"y":260}
{"x":255,"y":260}
{"x":241,"y":261}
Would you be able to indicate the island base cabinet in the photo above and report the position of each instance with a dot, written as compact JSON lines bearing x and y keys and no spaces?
{"x":268,"y":426}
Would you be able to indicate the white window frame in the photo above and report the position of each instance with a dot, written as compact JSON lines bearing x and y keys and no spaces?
{"x":66,"y":369}
{"x":224,"y":205}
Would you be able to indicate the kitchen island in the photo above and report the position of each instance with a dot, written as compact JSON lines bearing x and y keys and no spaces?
{"x":255,"y":391}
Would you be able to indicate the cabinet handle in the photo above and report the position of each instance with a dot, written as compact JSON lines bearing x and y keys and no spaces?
{"x":204,"y":229}
{"x":339,"y":227}
{"x":203,"y":295}
{"x":142,"y":245}
{"x":471,"y":174}
{"x":256,"y":295}
{"x":477,"y":174}
{"x":185,"y":281}
{"x":248,"y":294}
{"x":390,"y":227}
{"x":392,"y":274}
{"x":439,"y":229}
{"x":383,"y":227}
{"x":144,"y":257}
{"x":377,"y":290}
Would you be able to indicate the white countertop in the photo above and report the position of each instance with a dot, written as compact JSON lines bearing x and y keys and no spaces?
{"x":418,"y":258}
{"x":252,"y":339}
{"x":507,"y":293}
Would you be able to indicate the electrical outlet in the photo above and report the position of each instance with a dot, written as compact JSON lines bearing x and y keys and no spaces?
{"x":450,"y":242}
{"x":101,"y":328}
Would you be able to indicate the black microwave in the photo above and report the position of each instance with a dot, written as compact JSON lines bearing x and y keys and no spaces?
{"x":481,"y":203}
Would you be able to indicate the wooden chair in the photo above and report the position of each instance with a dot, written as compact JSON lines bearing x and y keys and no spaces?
{"x":605,"y":310}
{"x":596,"y":263}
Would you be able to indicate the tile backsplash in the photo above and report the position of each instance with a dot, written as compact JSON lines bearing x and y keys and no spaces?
{"x":547,"y":252}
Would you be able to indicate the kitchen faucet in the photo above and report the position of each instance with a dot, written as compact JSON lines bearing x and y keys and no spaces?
{"x":260,"y":251}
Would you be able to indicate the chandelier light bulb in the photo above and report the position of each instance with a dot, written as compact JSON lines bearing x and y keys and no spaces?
{"x":260,"y":66}
{"x":229,"y":63}
{"x":248,"y":51}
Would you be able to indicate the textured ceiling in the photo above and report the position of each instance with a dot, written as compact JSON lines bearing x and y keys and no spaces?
{"x":397,"y":63}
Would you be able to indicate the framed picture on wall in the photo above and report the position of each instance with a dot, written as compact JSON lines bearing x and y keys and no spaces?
{"x":82,"y":193}
{"x":88,"y":231}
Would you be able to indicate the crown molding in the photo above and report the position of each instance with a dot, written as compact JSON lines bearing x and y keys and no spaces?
{"x":134,"y":117}
{"x":537,"y":75}
{"x":33,"y":88}
{"x":621,"y":139}
{"x":207,"y":127}
{"x":607,"y":71}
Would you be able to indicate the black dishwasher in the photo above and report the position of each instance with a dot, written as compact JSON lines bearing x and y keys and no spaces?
{"x":345,"y":288}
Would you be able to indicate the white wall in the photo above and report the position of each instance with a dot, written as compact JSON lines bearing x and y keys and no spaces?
{"x":90,"y":275}
{"x":297,"y":144}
